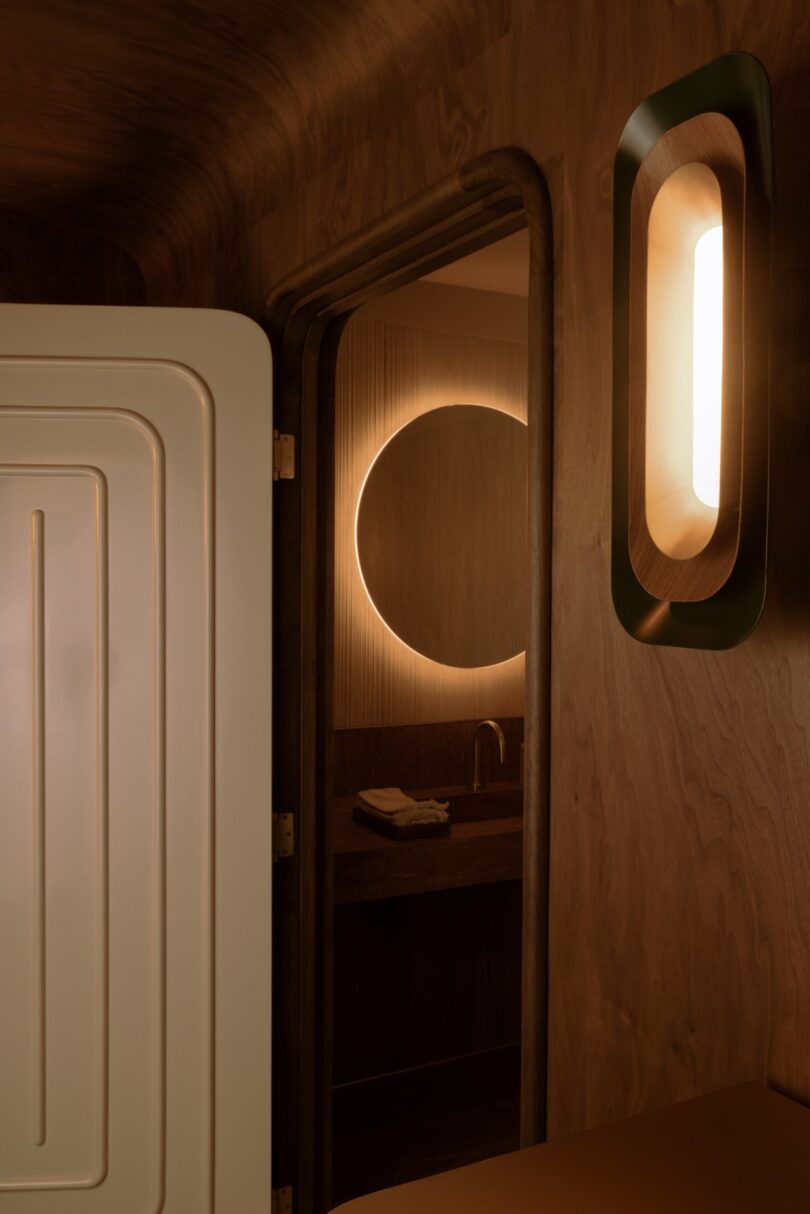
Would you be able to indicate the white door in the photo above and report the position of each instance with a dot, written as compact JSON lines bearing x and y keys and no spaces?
{"x":135,"y":825}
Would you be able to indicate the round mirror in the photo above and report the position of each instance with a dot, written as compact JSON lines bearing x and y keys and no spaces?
{"x":441,"y":535}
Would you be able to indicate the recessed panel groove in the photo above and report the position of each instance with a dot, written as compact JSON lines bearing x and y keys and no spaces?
{"x":76,"y":503}
{"x":38,"y":781}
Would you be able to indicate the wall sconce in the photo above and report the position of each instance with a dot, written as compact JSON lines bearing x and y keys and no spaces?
{"x":692,"y":196}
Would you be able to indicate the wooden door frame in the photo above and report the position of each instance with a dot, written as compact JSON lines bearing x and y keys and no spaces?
{"x":487,"y":199}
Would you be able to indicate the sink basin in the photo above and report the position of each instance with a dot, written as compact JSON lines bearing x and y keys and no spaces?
{"x":495,"y":800}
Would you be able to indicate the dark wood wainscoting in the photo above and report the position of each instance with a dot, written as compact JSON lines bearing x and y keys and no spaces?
{"x":427,"y":1034}
{"x":422,"y":756}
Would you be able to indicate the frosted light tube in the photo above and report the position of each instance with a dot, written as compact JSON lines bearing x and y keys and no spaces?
{"x":707,"y":366}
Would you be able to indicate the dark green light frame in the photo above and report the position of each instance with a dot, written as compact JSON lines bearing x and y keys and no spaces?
{"x":737,"y":87}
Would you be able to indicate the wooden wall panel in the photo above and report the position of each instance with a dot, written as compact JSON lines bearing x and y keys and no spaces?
{"x":679,"y":928}
{"x":44,"y":262}
{"x":388,"y":374}
{"x":421,"y":756}
{"x":172,"y":125}
{"x":445,"y":979}
{"x":680,"y":921}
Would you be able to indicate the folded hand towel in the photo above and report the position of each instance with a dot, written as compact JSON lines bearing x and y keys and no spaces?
{"x":386,"y":800}
{"x":395,"y":806}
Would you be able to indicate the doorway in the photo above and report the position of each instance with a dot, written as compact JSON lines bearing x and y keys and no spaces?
{"x":490,"y":200}
{"x":427,"y":655}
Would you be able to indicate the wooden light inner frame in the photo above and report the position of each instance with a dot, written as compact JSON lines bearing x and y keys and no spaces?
{"x":681,"y":548}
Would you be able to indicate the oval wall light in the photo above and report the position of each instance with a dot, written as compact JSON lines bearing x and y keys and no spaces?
{"x":691,"y":268}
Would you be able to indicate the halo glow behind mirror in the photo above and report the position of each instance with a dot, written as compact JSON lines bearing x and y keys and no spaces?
{"x":441,"y":535}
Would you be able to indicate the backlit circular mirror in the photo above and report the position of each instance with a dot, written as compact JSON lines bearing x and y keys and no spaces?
{"x":441,"y":535}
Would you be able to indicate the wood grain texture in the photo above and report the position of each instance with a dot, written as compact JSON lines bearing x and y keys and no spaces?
{"x":449,"y":308}
{"x":387,"y":375}
{"x":427,"y":1021}
{"x":679,"y":922}
{"x":44,"y":262}
{"x":680,"y":843}
{"x":486,"y":199}
{"x":426,"y":978}
{"x":168,"y":125}
{"x":415,"y":1123}
{"x":420,"y":756}
{"x":368,"y":865}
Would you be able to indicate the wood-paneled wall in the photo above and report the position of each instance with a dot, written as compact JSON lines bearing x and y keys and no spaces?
{"x":43,"y":262}
{"x":173,"y":126}
{"x":680,"y":864}
{"x":389,"y":372}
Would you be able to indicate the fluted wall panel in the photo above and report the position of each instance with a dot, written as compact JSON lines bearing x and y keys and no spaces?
{"x":389,"y":373}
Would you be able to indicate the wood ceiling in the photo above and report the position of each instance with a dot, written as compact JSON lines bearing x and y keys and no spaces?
{"x":154,"y":121}
{"x":502,"y":267}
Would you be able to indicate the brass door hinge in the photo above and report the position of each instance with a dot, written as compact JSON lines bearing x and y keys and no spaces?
{"x":282,"y":1200}
{"x":283,"y":456}
{"x":283,"y":836}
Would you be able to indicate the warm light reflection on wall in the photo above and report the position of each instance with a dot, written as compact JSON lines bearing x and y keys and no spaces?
{"x":387,"y":374}
{"x":684,"y":375}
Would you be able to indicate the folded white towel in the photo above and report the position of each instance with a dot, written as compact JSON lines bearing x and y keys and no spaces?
{"x":393,"y":805}
{"x":386,"y":800}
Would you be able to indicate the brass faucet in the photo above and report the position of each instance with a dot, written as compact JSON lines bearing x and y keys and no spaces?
{"x":496,"y":729}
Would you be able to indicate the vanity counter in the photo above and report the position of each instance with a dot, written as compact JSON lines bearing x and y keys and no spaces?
{"x":478,"y":851}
